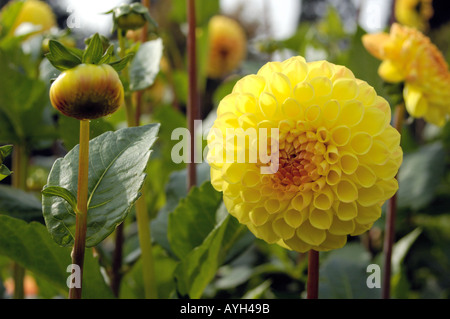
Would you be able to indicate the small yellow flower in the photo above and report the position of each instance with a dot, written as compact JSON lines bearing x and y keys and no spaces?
{"x":38,"y":13}
{"x":227,"y":46}
{"x":414,"y":13}
{"x":336,"y":154}
{"x":409,"y":56}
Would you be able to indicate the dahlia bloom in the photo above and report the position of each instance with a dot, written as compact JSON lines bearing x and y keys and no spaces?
{"x":414,"y":13}
{"x":334,"y":155}
{"x":227,"y":46}
{"x":410,"y":57}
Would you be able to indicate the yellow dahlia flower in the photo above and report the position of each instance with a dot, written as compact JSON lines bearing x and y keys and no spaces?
{"x":409,"y":56}
{"x":414,"y":13}
{"x":227,"y":46}
{"x":333,"y":154}
{"x":36,"y":12}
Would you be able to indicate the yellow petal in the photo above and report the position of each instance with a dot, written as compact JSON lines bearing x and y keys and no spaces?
{"x":374,"y":43}
{"x":390,"y":72}
{"x":415,"y":102}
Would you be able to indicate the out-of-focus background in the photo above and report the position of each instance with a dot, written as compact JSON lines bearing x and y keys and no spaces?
{"x":274,"y":30}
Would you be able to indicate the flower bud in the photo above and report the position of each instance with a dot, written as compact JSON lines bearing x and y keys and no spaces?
{"x":87,"y":91}
{"x":131,"y":17}
{"x":131,"y":21}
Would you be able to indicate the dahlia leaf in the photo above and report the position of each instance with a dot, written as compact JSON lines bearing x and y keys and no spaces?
{"x":30,"y":245}
{"x":343,"y":274}
{"x":4,"y":172}
{"x":417,"y":190}
{"x":200,"y":266}
{"x":69,"y":130}
{"x":175,"y":190}
{"x":193,"y":219}
{"x":107,"y":55}
{"x":21,"y":115}
{"x":62,"y":193}
{"x":17,"y":203}
{"x":145,"y":65}
{"x":61,"y":57}
{"x":119,"y":65}
{"x":117,"y":163}
{"x":5,"y":151}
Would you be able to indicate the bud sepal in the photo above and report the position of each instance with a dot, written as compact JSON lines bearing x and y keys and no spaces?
{"x":64,"y":58}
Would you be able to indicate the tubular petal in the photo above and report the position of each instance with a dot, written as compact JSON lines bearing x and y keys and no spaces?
{"x":326,"y":154}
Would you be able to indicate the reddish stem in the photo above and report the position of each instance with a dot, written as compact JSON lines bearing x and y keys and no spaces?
{"x":192,"y":105}
{"x":312,"y":287}
{"x":390,"y":220}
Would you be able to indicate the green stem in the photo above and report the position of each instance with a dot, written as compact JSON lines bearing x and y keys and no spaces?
{"x":142,"y":217}
{"x":128,"y":99}
{"x":390,"y":219}
{"x":145,"y":240}
{"x":18,"y":179}
{"x":82,"y":199}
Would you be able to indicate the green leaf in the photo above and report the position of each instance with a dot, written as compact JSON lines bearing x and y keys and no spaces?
{"x":21,"y":115}
{"x":399,"y":279}
{"x":400,"y":285}
{"x":5,"y":151}
{"x":107,"y":55}
{"x":193,"y":219}
{"x":119,"y":65}
{"x":200,"y":266}
{"x":63,"y":193}
{"x":9,"y":16}
{"x":401,"y":248}
{"x":420,"y":175}
{"x":94,"y":51}
{"x":4,"y":172}
{"x":117,"y":161}
{"x":175,"y":190}
{"x":61,"y":57}
{"x":121,"y":10}
{"x":201,"y":237}
{"x":145,"y":65}
{"x":16,"y":203}
{"x":131,"y":286}
{"x":31,"y":246}
{"x":343,"y":274}
{"x":69,"y":130}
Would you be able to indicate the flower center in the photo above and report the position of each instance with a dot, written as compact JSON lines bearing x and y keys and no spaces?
{"x":301,"y":161}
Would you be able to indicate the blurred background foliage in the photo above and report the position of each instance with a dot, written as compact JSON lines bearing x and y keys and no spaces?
{"x":199,"y":250}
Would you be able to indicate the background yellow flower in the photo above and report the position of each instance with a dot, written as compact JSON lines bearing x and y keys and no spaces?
{"x":36,"y":12}
{"x":414,"y":13}
{"x":410,"y":57}
{"x":227,"y":46}
{"x":338,"y":155}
